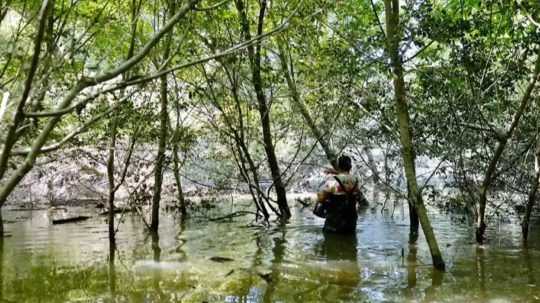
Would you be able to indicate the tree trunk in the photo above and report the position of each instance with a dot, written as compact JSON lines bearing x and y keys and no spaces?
{"x":489,"y":176}
{"x":178,"y":178}
{"x":412,"y":265}
{"x":158,"y":174}
{"x":1,"y":263}
{"x":110,"y":176}
{"x":112,"y":269}
{"x":295,"y":97}
{"x":413,"y":220}
{"x":402,"y":111}
{"x":177,"y":166}
{"x":245,"y":156}
{"x":18,"y":118}
{"x":163,"y":132}
{"x":7,"y":186}
{"x":156,"y":249}
{"x":532,"y":195}
{"x":254,"y":54}
{"x":113,"y":134}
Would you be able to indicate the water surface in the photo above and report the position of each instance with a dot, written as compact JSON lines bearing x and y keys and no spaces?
{"x":237,"y":261}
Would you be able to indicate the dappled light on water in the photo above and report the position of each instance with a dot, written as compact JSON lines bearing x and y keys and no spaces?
{"x":235,"y":261}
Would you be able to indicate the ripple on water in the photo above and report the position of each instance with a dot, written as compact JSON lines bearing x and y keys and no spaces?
{"x":292,"y":264}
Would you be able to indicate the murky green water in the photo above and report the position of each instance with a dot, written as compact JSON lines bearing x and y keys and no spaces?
{"x":203,"y":261}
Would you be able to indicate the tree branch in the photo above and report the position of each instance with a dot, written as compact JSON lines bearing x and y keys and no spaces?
{"x":79,"y":130}
{"x":374,"y":9}
{"x":203,"y":9}
{"x":147,"y":48}
{"x":11,"y":136}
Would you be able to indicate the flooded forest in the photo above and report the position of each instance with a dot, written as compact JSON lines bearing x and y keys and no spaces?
{"x":183,"y":150}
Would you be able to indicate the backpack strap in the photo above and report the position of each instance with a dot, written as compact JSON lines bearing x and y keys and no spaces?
{"x":342,"y":186}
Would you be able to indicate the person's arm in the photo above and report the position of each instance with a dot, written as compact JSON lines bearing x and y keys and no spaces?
{"x":324,"y":191}
{"x":322,"y":196}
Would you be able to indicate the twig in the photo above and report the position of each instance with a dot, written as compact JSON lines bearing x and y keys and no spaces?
{"x":233,"y":215}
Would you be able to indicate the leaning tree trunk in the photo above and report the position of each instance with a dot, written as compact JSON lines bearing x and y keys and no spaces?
{"x":254,"y":54}
{"x":295,"y":97}
{"x":1,"y":266}
{"x":532,"y":195}
{"x":489,"y":176}
{"x":18,"y":118}
{"x":402,"y":111}
{"x":413,"y":219}
{"x":8,"y":183}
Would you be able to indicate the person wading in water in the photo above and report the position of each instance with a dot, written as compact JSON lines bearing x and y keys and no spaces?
{"x":340,"y":196}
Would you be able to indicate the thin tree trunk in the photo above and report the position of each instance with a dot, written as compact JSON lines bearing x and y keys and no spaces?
{"x":158,"y":174}
{"x":156,"y":249}
{"x":402,"y":111}
{"x":412,"y":264}
{"x":295,"y":97}
{"x":11,"y":136}
{"x":7,"y":186}
{"x":240,"y":138}
{"x":240,"y":149}
{"x":254,"y":54}
{"x":113,"y":134}
{"x":1,"y":262}
{"x":489,"y":176}
{"x":110,"y":176}
{"x":112,"y":269}
{"x":163,"y":133}
{"x":176,"y":160}
{"x":413,"y":220}
{"x":532,"y":196}
{"x":178,"y":178}
{"x":246,"y":157}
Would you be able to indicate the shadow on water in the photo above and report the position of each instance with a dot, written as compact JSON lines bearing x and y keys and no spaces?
{"x":156,"y":278}
{"x":341,"y":250}
{"x":278,"y":253}
{"x":1,"y":268}
{"x":412,"y":266}
{"x":481,"y":270}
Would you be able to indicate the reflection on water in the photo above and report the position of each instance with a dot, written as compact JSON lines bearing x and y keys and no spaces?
{"x":1,"y":268}
{"x":197,"y":261}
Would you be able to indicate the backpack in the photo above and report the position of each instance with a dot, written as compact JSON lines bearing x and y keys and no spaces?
{"x":322,"y":208}
{"x":342,"y":213}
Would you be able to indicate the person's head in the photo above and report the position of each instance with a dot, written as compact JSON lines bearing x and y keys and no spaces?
{"x":344,"y":163}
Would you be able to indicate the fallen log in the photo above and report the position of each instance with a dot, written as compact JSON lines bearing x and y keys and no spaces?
{"x":219,"y":259}
{"x":70,"y":220}
{"x":118,"y":210}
